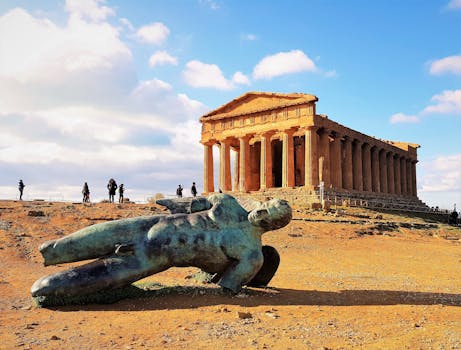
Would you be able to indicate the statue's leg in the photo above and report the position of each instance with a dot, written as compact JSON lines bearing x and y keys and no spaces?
{"x":97,"y":240}
{"x":108,"y":273}
{"x":267,"y":271}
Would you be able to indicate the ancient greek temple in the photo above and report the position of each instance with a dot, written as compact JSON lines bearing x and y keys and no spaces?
{"x":279,"y":141}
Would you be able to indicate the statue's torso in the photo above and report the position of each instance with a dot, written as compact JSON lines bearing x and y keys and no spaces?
{"x":204,"y":239}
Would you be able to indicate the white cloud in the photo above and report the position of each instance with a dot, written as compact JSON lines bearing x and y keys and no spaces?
{"x":204,"y":75}
{"x":454,"y":4}
{"x":442,"y":174}
{"x":210,"y":3}
{"x":161,"y":58}
{"x":450,"y":64}
{"x":249,"y":37}
{"x":331,"y":74}
{"x":126,"y":22}
{"x":240,"y":78}
{"x":89,"y":9}
{"x":283,"y":63}
{"x":42,"y":51}
{"x":448,"y":101}
{"x":155,"y":33}
{"x":439,"y":181}
{"x":403,"y":118}
{"x":72,"y":109}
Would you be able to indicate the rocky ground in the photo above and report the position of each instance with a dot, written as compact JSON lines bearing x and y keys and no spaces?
{"x":359,"y":279}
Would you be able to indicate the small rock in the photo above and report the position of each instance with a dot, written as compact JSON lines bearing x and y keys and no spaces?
{"x":54,"y":337}
{"x":36,"y":213}
{"x":272,"y":315}
{"x":295,"y":235}
{"x":241,"y":295}
{"x":244,"y":315}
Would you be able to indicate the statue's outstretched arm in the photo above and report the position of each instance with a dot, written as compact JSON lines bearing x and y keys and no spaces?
{"x":97,"y":240}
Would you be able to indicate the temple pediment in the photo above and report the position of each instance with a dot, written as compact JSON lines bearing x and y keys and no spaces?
{"x":254,"y":102}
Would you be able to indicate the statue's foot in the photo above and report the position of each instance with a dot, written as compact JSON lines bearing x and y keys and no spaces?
{"x":45,"y":246}
{"x":269,"y":268}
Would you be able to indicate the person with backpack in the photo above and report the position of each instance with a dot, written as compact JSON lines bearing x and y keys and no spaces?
{"x":121,"y":189}
{"x":86,"y":193}
{"x":112,"y":187}
{"x":21,"y":189}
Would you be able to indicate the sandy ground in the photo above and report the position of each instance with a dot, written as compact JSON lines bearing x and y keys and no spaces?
{"x":354,"y":283}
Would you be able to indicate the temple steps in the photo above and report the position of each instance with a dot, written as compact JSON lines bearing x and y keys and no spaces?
{"x":370,"y":200}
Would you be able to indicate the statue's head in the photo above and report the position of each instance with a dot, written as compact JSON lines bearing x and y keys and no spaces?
{"x":271,"y":215}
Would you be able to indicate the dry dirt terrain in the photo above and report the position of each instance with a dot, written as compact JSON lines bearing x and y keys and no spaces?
{"x":356,"y":280}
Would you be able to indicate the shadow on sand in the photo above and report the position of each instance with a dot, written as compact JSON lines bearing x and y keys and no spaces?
{"x":158,"y":297}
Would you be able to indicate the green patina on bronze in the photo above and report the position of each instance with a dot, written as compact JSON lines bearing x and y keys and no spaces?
{"x":218,"y":236}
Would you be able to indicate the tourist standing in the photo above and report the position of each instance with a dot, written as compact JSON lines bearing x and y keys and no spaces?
{"x":121,"y":189}
{"x":179,"y":191}
{"x":112,"y":187}
{"x":86,"y":193}
{"x":193,"y":190}
{"x":21,"y":189}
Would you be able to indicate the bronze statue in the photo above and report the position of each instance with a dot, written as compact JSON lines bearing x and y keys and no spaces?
{"x":218,"y":236}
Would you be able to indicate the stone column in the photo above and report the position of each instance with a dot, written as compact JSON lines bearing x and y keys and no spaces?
{"x":398,"y":184}
{"x":357,"y":165}
{"x":235,"y":185}
{"x":409,"y":179}
{"x":335,"y":162}
{"x":225,"y":182}
{"x":366,"y":167}
{"x":208,"y":175}
{"x":413,"y":177}
{"x":390,"y":173}
{"x":403,"y":175}
{"x":266,"y":161}
{"x":288,"y":166}
{"x":311,"y":162}
{"x":348,"y":183}
{"x":383,"y":171}
{"x":324,"y":159}
{"x":376,"y":183}
{"x":244,"y":163}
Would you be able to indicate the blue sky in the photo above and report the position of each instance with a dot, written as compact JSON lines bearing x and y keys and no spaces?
{"x":94,"y":89}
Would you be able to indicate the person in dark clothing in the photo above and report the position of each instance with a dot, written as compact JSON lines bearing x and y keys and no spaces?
{"x":193,"y":190}
{"x":453,"y":218}
{"x":21,"y":189}
{"x":121,"y":189}
{"x":179,"y":191}
{"x":86,"y":193}
{"x":112,"y":187}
